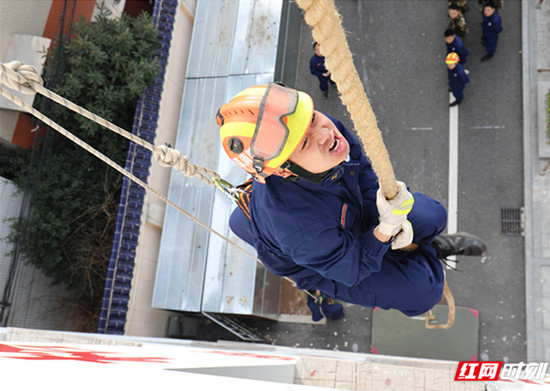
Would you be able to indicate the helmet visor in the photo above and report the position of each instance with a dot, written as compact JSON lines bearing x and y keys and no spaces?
{"x":271,"y":133}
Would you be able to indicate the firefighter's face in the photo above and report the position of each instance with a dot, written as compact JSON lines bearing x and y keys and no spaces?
{"x":323,"y":148}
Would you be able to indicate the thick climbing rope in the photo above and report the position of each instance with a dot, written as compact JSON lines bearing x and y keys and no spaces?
{"x":25,"y":79}
{"x":326,"y":25}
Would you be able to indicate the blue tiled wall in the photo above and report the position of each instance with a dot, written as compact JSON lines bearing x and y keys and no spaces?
{"x":121,"y":265}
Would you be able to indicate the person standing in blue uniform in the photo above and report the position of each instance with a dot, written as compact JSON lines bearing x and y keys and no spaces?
{"x":317,"y":68}
{"x":316,"y":212}
{"x":492,"y":26}
{"x":455,"y":44}
{"x":457,"y":77}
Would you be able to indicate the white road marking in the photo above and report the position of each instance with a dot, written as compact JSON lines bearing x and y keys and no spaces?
{"x":452,"y":209}
{"x":488,"y":127}
{"x":420,"y":128}
{"x":453,"y":167}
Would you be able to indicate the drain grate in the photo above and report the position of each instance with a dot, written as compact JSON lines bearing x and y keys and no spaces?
{"x":511,"y":221}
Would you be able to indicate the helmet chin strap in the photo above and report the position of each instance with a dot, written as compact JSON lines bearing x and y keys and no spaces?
{"x":302,"y":173}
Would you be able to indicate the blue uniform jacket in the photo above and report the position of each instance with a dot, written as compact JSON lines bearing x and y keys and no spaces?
{"x":317,"y":65}
{"x":457,"y":78}
{"x":491,"y":26}
{"x":321,"y":235}
{"x":292,"y":219}
{"x":458,"y":47}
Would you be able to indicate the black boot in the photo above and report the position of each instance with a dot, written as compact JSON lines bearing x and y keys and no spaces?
{"x":460,"y":243}
{"x":486,"y":58}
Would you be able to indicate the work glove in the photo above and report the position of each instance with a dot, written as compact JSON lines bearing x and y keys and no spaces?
{"x":393,"y":213}
{"x":404,"y":237}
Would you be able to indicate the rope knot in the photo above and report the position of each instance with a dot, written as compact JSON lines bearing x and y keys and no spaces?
{"x":166,"y":156}
{"x":20,"y":77}
{"x":170,"y":157}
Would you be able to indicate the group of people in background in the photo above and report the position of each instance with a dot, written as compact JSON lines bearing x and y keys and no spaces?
{"x":455,"y":35}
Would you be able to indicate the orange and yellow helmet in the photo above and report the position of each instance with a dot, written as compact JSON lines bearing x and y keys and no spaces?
{"x":263,"y":125}
{"x":452,"y":58}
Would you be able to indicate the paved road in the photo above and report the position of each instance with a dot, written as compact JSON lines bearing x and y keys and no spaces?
{"x":399,"y":53}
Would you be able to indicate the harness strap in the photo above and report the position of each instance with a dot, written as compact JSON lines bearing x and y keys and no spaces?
{"x":243,"y":197}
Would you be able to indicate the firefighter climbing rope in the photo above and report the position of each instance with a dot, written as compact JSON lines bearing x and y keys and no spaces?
{"x":327,"y":29}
